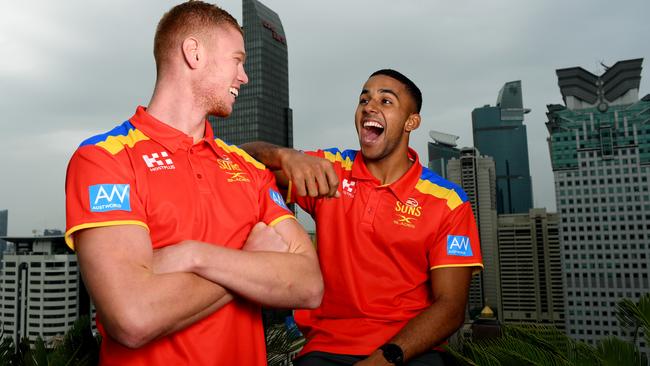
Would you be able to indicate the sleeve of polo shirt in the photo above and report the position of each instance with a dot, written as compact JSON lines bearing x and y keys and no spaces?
{"x":457,"y":242}
{"x":100,"y":191}
{"x":272,"y":206}
{"x":307,"y":203}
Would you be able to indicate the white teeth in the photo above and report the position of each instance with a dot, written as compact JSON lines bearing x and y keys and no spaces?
{"x":372,"y":124}
{"x":234,"y":92}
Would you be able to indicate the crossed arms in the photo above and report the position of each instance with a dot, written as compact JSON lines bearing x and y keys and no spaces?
{"x":142,"y":294}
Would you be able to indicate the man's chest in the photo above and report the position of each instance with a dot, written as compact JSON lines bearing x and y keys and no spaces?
{"x":195,"y":194}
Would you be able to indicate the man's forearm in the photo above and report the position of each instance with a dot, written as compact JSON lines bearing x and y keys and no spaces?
{"x":135,"y":304}
{"x":151,"y":306}
{"x":286,"y":280}
{"x":268,"y":154}
{"x":429,"y":329}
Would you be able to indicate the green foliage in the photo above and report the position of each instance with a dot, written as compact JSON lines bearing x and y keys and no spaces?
{"x":635,"y":316}
{"x":616,"y":352}
{"x":78,"y":348}
{"x":281,"y":343}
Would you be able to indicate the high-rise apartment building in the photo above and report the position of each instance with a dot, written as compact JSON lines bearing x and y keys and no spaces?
{"x":476,"y":175}
{"x":39,"y":288}
{"x":599,"y":143}
{"x":4,"y":219}
{"x":441,"y":150}
{"x":261,"y":111}
{"x":499,"y":132}
{"x":531,"y":270}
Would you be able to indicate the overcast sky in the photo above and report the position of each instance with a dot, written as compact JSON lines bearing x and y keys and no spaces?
{"x":72,"y":69}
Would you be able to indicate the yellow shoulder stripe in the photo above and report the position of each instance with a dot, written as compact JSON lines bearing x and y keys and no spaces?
{"x":115,"y":144}
{"x":345,"y":163}
{"x":449,"y":195}
{"x":236,"y":150}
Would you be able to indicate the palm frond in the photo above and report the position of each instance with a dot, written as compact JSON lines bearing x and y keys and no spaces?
{"x":616,"y":352}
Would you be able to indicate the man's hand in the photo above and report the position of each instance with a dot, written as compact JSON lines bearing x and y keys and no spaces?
{"x":311,"y":175}
{"x":264,"y":238}
{"x":173,"y":258}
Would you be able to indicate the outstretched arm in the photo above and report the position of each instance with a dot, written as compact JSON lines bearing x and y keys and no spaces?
{"x":312,"y":176}
{"x":135,"y":304}
{"x":434,"y":325}
{"x":277,"y":267}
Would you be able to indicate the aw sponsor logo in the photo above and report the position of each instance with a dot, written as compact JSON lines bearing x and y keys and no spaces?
{"x":407,"y":213}
{"x":459,"y":246}
{"x":277,"y":198}
{"x":233,"y":169}
{"x":159,"y":161}
{"x":348,"y":187}
{"x":110,"y":197}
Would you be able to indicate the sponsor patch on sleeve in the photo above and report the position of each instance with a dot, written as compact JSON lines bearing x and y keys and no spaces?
{"x":277,"y":198}
{"x":458,"y":245}
{"x":110,"y":197}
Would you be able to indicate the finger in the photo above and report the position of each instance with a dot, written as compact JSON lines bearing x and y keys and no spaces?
{"x":312,"y":187}
{"x":299,"y":182}
{"x":333,"y":181}
{"x":258,"y":227}
{"x":323,"y":184}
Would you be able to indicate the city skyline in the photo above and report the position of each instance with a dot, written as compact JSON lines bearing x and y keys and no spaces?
{"x":459,"y":54}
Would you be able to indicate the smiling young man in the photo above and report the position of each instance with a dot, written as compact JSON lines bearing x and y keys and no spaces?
{"x":176,"y":255}
{"x":397,"y":244}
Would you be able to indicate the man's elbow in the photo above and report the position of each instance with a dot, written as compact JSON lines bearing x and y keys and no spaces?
{"x":315,"y":295}
{"x":131,"y":331}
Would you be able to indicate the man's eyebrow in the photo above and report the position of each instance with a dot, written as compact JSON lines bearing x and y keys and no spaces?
{"x":389,"y":91}
{"x":242,"y":55}
{"x":381,"y":91}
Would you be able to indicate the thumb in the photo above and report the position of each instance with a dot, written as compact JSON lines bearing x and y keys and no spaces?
{"x":258,"y":227}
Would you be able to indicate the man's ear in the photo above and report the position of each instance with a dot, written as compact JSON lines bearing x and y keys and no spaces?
{"x":191,"y":52}
{"x":413,"y":122}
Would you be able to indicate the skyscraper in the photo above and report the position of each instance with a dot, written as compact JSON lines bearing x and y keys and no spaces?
{"x":599,"y":142}
{"x":441,"y":150}
{"x":261,"y":111}
{"x":499,"y":132}
{"x":4,"y":218}
{"x":531,"y":270}
{"x":476,"y":175}
{"x":39,"y":288}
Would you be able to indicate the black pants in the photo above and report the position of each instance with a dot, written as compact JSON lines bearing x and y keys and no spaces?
{"x":316,"y":358}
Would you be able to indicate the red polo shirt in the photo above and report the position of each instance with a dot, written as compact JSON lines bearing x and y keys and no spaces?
{"x":147,"y":173}
{"x":377,"y":245}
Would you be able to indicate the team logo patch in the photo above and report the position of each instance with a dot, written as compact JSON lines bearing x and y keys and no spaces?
{"x":110,"y":197}
{"x":407,"y":213}
{"x":348,"y":187}
{"x":458,"y":246}
{"x":277,"y":198}
{"x":159,"y":161}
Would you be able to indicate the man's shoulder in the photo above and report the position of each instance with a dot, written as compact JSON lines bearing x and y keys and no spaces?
{"x":436,"y":187}
{"x":114,"y":141}
{"x":238,"y":155}
{"x":344,"y":158}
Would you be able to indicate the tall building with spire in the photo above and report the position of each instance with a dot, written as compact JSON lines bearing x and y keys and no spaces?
{"x":599,"y":142}
{"x":499,"y":132}
{"x":261,"y":111}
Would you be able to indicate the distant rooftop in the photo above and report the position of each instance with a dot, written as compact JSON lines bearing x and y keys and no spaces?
{"x":443,"y":138}
{"x":619,"y":84}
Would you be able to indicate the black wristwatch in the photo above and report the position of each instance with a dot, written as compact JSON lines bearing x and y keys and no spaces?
{"x":393,"y":353}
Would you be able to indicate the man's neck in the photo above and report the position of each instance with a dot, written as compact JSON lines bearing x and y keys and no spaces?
{"x":391,"y":168}
{"x":174,"y":105}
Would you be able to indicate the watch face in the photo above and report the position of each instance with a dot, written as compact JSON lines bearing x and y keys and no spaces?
{"x":393,"y":353}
